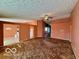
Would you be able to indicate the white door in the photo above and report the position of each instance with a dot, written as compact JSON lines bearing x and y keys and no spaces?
{"x":31,"y":32}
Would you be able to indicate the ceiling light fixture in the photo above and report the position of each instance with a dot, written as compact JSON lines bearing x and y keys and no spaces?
{"x":47,"y":19}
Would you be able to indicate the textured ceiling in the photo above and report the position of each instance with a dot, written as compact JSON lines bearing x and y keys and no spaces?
{"x":34,"y":9}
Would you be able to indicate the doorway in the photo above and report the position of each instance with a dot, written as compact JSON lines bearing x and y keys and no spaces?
{"x":11,"y":34}
{"x":47,"y":30}
{"x":31,"y":32}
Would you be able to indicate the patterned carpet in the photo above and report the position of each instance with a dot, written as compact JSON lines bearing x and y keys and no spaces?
{"x":40,"y":48}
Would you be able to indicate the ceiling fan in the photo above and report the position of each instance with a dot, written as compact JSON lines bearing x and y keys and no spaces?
{"x":47,"y":19}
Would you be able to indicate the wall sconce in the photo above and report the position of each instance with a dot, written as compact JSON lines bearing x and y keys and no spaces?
{"x":8,"y":28}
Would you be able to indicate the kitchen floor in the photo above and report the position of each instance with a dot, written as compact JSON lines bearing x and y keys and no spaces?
{"x":39,"y":48}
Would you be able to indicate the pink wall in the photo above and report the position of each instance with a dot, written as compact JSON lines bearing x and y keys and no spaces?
{"x":40,"y":28}
{"x":61,"y":29}
{"x":75,"y":34}
{"x":10,"y":30}
{"x":24,"y":32}
{"x":33,"y":22}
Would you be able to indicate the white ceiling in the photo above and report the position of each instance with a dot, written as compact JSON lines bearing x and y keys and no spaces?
{"x":34,"y":9}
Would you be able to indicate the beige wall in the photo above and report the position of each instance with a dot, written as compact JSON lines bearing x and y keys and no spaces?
{"x":61,"y":29}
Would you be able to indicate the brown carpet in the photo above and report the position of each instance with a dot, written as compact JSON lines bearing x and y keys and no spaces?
{"x":40,"y":48}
